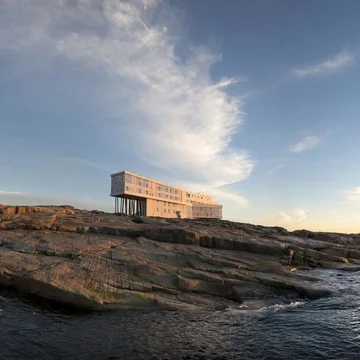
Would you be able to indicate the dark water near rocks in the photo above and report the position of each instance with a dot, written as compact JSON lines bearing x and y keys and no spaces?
{"x":323,"y":329}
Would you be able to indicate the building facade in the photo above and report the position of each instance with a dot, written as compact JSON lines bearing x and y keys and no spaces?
{"x":136,"y":194}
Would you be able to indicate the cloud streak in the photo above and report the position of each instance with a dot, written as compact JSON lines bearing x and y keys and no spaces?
{"x":183,"y":118}
{"x":87,"y":162}
{"x":276,"y":168}
{"x":306,"y":144}
{"x":341,"y":60}
{"x":354,"y":194}
{"x":10,"y":193}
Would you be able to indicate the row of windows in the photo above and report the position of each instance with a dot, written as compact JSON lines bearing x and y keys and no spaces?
{"x":169,"y":211}
{"x":166,"y":196}
{"x":211,"y":210}
{"x":140,"y":191}
{"x":147,"y":192}
{"x":167,"y":189}
{"x":129,"y":179}
{"x":166,"y":203}
{"x":197,"y":196}
{"x":196,"y":202}
{"x":144,"y":182}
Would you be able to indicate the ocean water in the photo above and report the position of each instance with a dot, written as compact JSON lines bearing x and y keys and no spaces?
{"x":327,"y":328}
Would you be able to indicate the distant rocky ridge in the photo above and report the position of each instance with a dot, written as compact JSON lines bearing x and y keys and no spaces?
{"x":95,"y":260}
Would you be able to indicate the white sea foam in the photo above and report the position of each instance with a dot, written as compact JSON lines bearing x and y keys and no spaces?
{"x":278,"y":307}
{"x":254,"y":306}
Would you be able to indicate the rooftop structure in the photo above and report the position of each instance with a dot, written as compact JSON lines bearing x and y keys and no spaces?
{"x":137,"y":195}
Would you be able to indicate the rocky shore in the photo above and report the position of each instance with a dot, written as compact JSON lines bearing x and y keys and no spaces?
{"x":95,"y":260}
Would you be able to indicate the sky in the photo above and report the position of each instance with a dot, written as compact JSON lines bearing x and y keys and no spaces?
{"x":255,"y":102}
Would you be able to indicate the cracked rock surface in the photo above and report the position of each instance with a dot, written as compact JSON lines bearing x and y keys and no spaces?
{"x":94,"y":260}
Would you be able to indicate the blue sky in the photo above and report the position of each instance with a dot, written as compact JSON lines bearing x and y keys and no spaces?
{"x":255,"y":102}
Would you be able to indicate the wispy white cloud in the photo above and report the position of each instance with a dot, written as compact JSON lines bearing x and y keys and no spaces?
{"x":179,"y":114}
{"x":293,"y":217}
{"x":338,"y":62}
{"x":10,"y":193}
{"x":308,"y":143}
{"x":182,"y":121}
{"x":354,"y":194}
{"x":285,"y":218}
{"x":87,"y":162}
{"x":276,"y":168}
{"x":300,"y":214}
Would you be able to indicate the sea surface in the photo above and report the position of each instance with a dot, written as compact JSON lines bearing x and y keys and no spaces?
{"x":327,"y":328}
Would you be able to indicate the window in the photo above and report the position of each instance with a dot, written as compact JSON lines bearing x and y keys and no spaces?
{"x":127,"y":188}
{"x":171,"y":197}
{"x":139,"y":191}
{"x":147,"y":192}
{"x":128,"y":178}
{"x":169,"y":211}
{"x":157,"y":209}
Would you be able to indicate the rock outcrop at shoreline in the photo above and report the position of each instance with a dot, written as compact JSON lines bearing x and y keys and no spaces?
{"x":94,"y":260}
